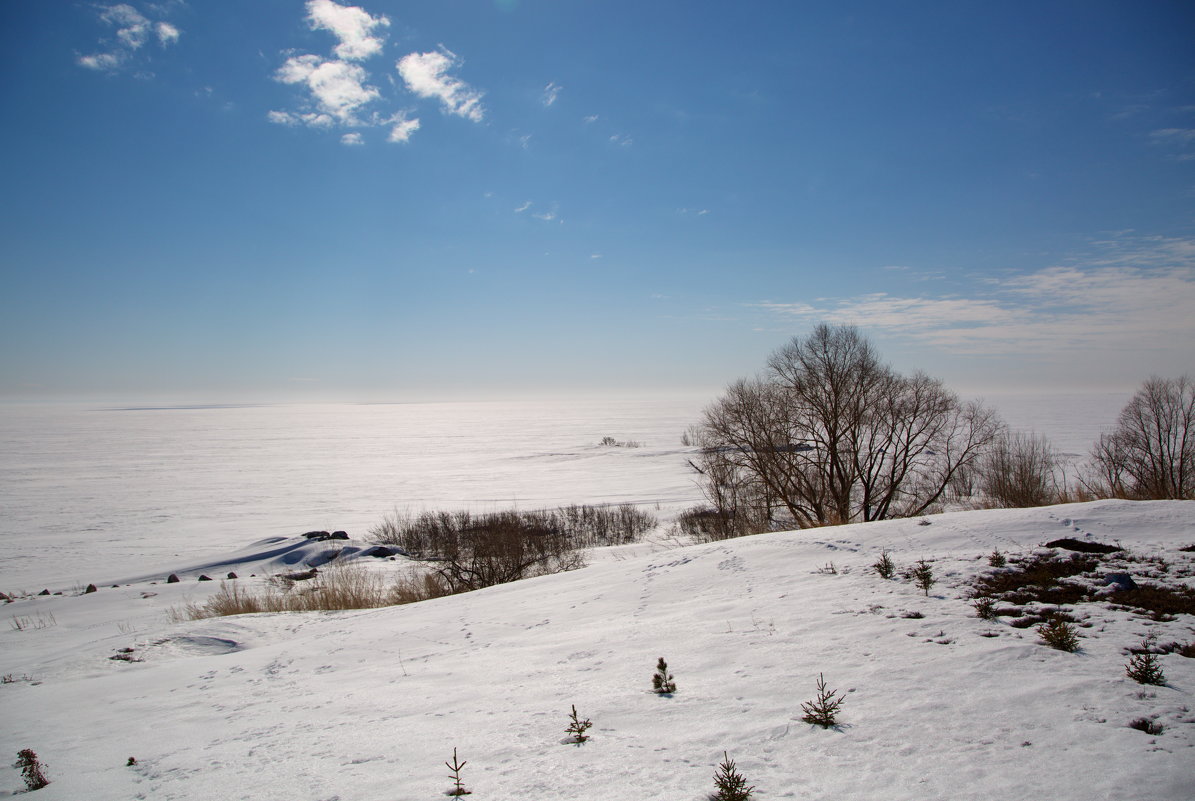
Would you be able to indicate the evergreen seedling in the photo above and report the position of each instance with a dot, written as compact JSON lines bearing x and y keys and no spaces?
{"x":923,"y":576}
{"x":32,"y":770}
{"x":662,"y":682}
{"x":823,"y":710}
{"x":578,"y":727}
{"x":884,"y":566}
{"x":1145,"y":669}
{"x":997,"y":559}
{"x":1059,"y":634}
{"x":455,"y":766}
{"x":730,"y":783}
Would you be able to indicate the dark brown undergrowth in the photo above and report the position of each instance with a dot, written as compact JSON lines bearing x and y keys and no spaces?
{"x":1036,"y":579}
{"x":1042,"y":578}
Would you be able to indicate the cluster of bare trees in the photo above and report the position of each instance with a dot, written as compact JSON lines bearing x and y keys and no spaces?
{"x":1151,"y":453}
{"x":829,"y":434}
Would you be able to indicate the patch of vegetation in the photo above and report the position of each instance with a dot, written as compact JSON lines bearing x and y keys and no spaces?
{"x":1146,"y":725}
{"x":32,"y":769}
{"x":707,"y":524}
{"x":344,"y":586}
{"x":1037,"y":579}
{"x":884,"y":566}
{"x":1059,"y":634}
{"x":730,"y":784}
{"x":1145,"y":669}
{"x":662,"y":682}
{"x":822,"y":710}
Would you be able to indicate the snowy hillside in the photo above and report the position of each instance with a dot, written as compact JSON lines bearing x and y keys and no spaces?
{"x":368,"y":705}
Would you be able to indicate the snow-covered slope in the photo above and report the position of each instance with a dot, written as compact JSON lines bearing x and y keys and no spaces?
{"x":369,"y":704}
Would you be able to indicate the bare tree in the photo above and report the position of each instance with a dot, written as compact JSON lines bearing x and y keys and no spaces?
{"x":1020,"y":470}
{"x":830,"y":434}
{"x":1151,"y":454}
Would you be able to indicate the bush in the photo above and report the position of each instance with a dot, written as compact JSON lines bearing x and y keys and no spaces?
{"x":1058,"y":633}
{"x":730,"y":784}
{"x":577,"y":727}
{"x":923,"y":576}
{"x":32,"y":769}
{"x":662,"y":682}
{"x":709,"y":524}
{"x":1019,"y":470}
{"x":884,"y":566}
{"x":823,"y":710}
{"x":985,"y":608}
{"x":997,"y":559}
{"x":1145,"y":669}
{"x":1146,"y":725}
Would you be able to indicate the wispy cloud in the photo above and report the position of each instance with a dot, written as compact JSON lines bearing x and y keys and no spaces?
{"x":622,"y":140}
{"x":592,"y":118}
{"x":352,"y":25}
{"x":426,"y":74}
{"x":551,"y":92}
{"x":133,"y":31}
{"x":523,"y":207}
{"x":354,"y":139}
{"x":1131,"y":295}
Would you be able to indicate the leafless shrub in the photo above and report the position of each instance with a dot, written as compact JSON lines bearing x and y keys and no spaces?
{"x":1020,"y":470}
{"x":1151,"y":453}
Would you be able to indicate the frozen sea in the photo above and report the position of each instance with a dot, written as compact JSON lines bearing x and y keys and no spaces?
{"x":109,"y":491}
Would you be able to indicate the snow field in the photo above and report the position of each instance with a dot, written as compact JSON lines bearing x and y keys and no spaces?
{"x":369,"y":704}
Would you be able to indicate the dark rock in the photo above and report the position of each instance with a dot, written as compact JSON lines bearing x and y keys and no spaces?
{"x":90,"y":588}
{"x":1121,"y":581}
{"x":232,"y":575}
{"x":317,"y":535}
{"x":4,"y":597}
{"x":1082,"y":546}
{"x":302,"y":576}
{"x":339,"y":535}
{"x":381,"y":552}
{"x":205,"y":578}
{"x":172,"y":578}
{"x":44,"y":592}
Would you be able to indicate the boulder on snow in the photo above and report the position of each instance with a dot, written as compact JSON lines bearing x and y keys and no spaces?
{"x":205,"y":578}
{"x":301,"y":576}
{"x":339,"y":535}
{"x":1119,"y":582}
{"x":1083,"y":546}
{"x":44,"y":592}
{"x":172,"y":578}
{"x":317,"y":535}
{"x":232,"y":575}
{"x":381,"y":552}
{"x":90,"y":588}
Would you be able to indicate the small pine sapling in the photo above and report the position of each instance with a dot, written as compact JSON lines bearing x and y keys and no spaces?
{"x":997,"y":559}
{"x":884,"y":566}
{"x":730,"y":783}
{"x":1058,"y":633}
{"x":455,"y":766}
{"x":32,"y":769}
{"x":1145,"y":669}
{"x":923,"y":576}
{"x":823,"y":710}
{"x":985,"y":608}
{"x":577,"y":727}
{"x":662,"y":682}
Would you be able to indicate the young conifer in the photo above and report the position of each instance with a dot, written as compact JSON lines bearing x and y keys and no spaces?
{"x":730,"y":783}
{"x":577,"y":727}
{"x":662,"y":681}
{"x":458,"y":788}
{"x":32,"y":769}
{"x":823,"y":710}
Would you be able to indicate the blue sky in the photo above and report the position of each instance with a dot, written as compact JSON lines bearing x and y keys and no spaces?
{"x":229,"y":200}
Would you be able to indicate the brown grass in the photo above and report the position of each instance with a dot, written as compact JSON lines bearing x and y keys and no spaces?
{"x":346,"y":586}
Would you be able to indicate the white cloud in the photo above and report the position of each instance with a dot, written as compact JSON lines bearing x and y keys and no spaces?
{"x":622,"y":140}
{"x":403,"y":128}
{"x":551,"y":92}
{"x":167,"y":33}
{"x":546,"y":216}
{"x":425,"y":75}
{"x":352,"y":25}
{"x":352,"y":139}
{"x":1174,"y":135}
{"x":523,"y":207}
{"x":337,"y":87}
{"x":133,"y":30}
{"x":592,"y":118}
